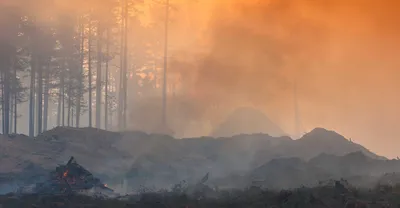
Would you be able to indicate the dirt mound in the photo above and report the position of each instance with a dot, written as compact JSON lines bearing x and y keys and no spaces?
{"x":92,"y":147}
{"x":356,"y":167}
{"x":286,"y":173}
{"x":156,"y":159}
{"x":355,"y":164}
{"x":312,"y":144}
{"x":19,"y":151}
{"x":320,"y":141}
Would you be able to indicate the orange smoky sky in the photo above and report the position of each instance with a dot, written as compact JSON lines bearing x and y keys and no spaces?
{"x":343,"y":55}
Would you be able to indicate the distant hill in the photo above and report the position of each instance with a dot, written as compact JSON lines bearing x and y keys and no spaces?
{"x":320,"y":141}
{"x":356,"y":167}
{"x":159,"y":159}
{"x":247,"y":121}
{"x":312,"y":144}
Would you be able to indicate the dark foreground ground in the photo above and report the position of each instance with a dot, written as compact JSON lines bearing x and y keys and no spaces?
{"x":254,"y":197}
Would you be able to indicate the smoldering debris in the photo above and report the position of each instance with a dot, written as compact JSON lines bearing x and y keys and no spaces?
{"x":71,"y":178}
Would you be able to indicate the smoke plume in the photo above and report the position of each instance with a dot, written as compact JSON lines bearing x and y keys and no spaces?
{"x":340,"y":53}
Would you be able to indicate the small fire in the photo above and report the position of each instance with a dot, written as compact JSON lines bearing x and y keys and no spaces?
{"x":105,"y":185}
{"x":65,"y":173}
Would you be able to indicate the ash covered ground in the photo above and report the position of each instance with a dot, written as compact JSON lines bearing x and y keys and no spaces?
{"x":207,"y":169}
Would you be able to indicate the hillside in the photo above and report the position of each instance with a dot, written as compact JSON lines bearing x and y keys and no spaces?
{"x":355,"y":164}
{"x":320,"y":141}
{"x":356,"y":167}
{"x":312,"y":144}
{"x":288,"y":173}
{"x":151,"y":159}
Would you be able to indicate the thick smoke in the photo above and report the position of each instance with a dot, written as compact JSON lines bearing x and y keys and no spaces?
{"x":340,"y":53}
{"x":232,"y":53}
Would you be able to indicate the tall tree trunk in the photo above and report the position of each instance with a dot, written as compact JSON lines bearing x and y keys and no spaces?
{"x":125,"y":80}
{"x":11,"y":112}
{"x":111,"y":119}
{"x":15,"y":99}
{"x":61,"y":97}
{"x":98,"y":75}
{"x":13,"y":91}
{"x":69,"y":116}
{"x":40,"y":98}
{"x":46,"y":98}
{"x":106,"y":81}
{"x":72,"y":115}
{"x":90,"y":71}
{"x":164,"y":95}
{"x":121,"y":69}
{"x":32,"y":95}
{"x":2,"y":100}
{"x":6,"y":98}
{"x":59,"y":100}
{"x":11,"y":108}
{"x":11,"y":88}
{"x":80,"y":78}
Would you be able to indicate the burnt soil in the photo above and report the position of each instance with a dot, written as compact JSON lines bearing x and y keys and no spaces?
{"x":324,"y":196}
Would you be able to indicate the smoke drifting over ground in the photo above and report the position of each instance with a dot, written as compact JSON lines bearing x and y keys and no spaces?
{"x":342,"y":54}
{"x":232,"y":53}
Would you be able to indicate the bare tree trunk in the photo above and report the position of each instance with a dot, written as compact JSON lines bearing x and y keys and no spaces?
{"x":98,"y":75}
{"x":164,"y":98}
{"x":13,"y":91}
{"x":46,"y":99}
{"x":106,"y":81}
{"x":72,"y":114}
{"x":32,"y":95}
{"x":63,"y":102}
{"x":69,"y":96}
{"x":125,"y":80}
{"x":59,"y":100}
{"x":121,"y":69}
{"x":2,"y":101}
{"x":40,"y":98}
{"x":15,"y":99}
{"x":111,"y":119}
{"x":80,"y":89}
{"x":11,"y":126}
{"x":6,"y":98}
{"x":61,"y":97}
{"x":90,"y":72}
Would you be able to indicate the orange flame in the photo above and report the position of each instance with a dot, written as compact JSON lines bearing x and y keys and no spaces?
{"x":65,"y":173}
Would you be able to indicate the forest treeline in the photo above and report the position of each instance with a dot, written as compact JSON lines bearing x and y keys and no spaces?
{"x":65,"y":58}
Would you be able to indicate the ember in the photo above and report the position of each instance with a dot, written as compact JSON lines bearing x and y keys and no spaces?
{"x":70,"y":178}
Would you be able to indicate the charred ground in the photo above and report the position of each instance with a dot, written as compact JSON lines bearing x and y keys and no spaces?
{"x":160,"y":161}
{"x":168,"y":170}
{"x":328,"y":195}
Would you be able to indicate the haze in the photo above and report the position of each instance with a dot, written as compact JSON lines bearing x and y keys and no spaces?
{"x":225,"y":54}
{"x":342,"y":53}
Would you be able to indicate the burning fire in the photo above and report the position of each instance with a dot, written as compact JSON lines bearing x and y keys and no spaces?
{"x":65,"y":173}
